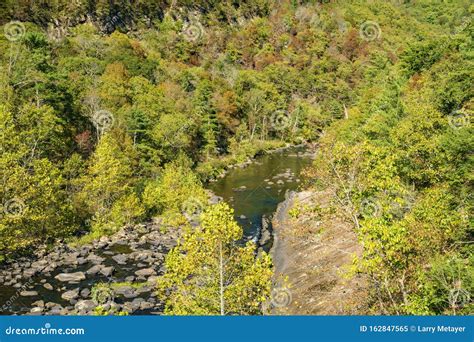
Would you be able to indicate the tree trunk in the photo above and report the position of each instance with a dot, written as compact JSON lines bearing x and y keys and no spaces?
{"x":346,"y":112}
{"x":221,"y":280}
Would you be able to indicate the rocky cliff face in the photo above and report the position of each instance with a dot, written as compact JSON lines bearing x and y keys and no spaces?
{"x":312,"y":253}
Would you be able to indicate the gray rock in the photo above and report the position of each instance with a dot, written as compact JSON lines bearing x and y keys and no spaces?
{"x":120,"y":259}
{"x":70,"y":295}
{"x":136,"y":303}
{"x":29,"y":272}
{"x":145,"y":305}
{"x":28,"y":293}
{"x":38,"y":303}
{"x":145,"y":272}
{"x":85,"y":292}
{"x":48,"y":286}
{"x":71,"y":277}
{"x":85,"y":305}
{"x":36,"y":310}
{"x":266,"y":236}
{"x":51,"y":267}
{"x":152,"y":279}
{"x":129,"y":307}
{"x":50,"y":305}
{"x":71,"y":259}
{"x":94,"y":269}
{"x":85,"y":250}
{"x":107,"y":271}
{"x":126,"y":291}
{"x":95,"y":259}
{"x":56,"y":310}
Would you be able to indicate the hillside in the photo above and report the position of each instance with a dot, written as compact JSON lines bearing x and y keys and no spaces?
{"x":116,"y":113}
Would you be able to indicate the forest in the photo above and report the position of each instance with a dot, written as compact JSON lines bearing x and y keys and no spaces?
{"x":117,"y":113}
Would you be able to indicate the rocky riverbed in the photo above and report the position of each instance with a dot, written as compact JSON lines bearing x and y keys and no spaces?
{"x":60,"y":281}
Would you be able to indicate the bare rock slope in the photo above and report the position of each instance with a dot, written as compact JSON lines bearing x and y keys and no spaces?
{"x":312,"y":252}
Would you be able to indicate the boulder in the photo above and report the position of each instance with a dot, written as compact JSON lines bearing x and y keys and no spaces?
{"x":71,"y":277}
{"x":95,"y":259}
{"x":85,"y":292}
{"x":94,"y":269}
{"x":50,"y":305}
{"x":28,"y":293}
{"x":85,"y":306}
{"x":152,"y":279}
{"x":30,"y":272}
{"x":145,"y":272}
{"x":70,"y":295}
{"x":126,"y":291}
{"x":48,"y":286}
{"x":38,"y":303}
{"x":107,"y":271}
{"x":145,"y":305}
{"x":120,"y":259}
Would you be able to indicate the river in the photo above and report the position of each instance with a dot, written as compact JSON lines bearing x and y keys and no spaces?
{"x":256,"y":190}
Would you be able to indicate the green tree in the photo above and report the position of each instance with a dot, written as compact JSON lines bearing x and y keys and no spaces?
{"x":209,"y":273}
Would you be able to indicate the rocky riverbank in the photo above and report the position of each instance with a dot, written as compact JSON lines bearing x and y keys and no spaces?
{"x":312,"y":252}
{"x":60,"y":282}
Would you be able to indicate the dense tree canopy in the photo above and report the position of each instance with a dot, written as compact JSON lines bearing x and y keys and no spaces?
{"x":112,"y":112}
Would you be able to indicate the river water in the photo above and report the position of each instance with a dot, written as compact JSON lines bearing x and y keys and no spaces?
{"x":256,"y":190}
